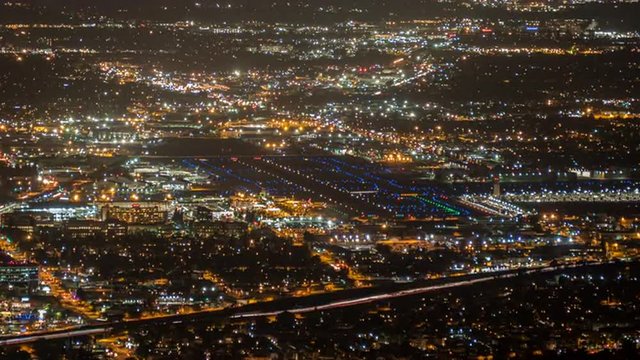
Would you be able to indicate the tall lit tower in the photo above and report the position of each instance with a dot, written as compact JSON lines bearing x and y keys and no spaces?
{"x":496,"y":186}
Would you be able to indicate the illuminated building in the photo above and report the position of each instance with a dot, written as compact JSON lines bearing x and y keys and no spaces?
{"x":135,"y":213}
{"x":496,"y":186}
{"x":15,"y":273}
{"x":91,"y":228}
{"x":213,"y":228}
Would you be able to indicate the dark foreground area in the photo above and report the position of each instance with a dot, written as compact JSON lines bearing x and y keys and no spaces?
{"x":589,"y":312}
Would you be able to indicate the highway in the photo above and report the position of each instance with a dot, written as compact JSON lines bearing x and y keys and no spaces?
{"x":283,"y":305}
{"x":53,"y":336}
{"x":364,"y":300}
{"x":396,"y":294}
{"x":571,"y":197}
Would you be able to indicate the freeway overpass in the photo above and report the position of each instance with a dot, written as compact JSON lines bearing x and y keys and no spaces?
{"x":306,"y":304}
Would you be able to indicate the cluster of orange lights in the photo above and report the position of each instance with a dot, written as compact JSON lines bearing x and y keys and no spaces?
{"x":397,"y":158}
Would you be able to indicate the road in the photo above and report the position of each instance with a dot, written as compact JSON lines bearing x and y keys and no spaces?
{"x":54,"y":335}
{"x":394,"y":294}
{"x":283,"y":305}
{"x":585,"y":196}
